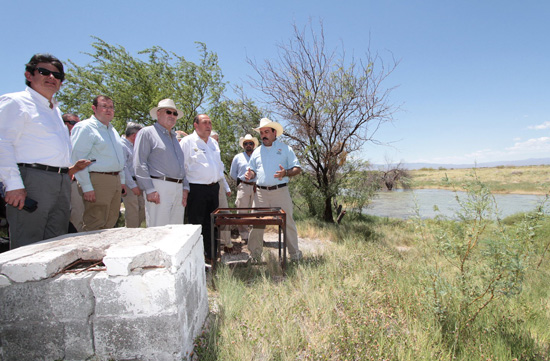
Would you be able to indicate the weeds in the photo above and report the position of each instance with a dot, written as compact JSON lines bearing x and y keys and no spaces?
{"x":479,"y":259}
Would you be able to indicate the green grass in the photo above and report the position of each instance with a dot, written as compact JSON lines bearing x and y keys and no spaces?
{"x":365,"y":298}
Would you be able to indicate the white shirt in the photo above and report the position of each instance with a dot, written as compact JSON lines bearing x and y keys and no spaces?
{"x":203,"y":163}
{"x":30,"y":132}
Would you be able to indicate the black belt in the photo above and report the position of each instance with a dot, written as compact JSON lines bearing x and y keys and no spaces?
{"x":175,"y":180}
{"x":239,"y":181}
{"x":109,"y":173}
{"x":49,"y":168}
{"x":204,"y":185}
{"x":273,"y":187}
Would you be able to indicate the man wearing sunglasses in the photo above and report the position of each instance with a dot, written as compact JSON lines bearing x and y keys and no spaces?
{"x":77,"y":203}
{"x":245,"y":188}
{"x":159,"y":168}
{"x":70,"y":120}
{"x":35,"y":155}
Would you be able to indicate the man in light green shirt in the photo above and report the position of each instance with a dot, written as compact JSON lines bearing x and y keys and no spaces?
{"x":102,"y":183}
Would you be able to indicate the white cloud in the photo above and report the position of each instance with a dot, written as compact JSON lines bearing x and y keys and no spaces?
{"x":531,"y":145}
{"x":545,"y":125}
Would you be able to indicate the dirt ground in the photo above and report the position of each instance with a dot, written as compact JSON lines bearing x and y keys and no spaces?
{"x":271,"y":243}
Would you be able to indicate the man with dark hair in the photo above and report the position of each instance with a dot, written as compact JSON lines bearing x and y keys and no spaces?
{"x":158,"y":163}
{"x":35,"y":155}
{"x":134,"y":205}
{"x":70,"y":120}
{"x":203,"y":171}
{"x":245,"y":188}
{"x":103,"y":182}
{"x":34,"y":64}
{"x":77,"y":203}
{"x":272,"y":164}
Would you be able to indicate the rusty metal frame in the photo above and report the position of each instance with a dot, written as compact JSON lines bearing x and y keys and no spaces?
{"x":264,"y":216}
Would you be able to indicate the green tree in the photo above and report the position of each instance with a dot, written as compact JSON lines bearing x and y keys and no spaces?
{"x":234,"y":119}
{"x":332,"y":105}
{"x":137,"y":84}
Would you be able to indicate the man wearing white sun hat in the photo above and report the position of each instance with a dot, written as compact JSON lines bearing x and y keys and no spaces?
{"x":159,"y":167}
{"x":245,"y":188}
{"x":272,"y":164}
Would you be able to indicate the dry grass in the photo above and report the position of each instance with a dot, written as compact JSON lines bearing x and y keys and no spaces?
{"x":521,"y":180}
{"x":364,"y":298}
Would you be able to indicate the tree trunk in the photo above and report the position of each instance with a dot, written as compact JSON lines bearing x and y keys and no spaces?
{"x":327,"y":216}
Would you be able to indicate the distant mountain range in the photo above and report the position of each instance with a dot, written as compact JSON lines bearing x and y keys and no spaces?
{"x":517,"y":163}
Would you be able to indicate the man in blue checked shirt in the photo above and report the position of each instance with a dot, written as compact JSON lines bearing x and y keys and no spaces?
{"x":272,"y":164}
{"x":159,"y":167}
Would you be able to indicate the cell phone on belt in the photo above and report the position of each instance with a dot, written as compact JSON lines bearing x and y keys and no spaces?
{"x":30,"y":205}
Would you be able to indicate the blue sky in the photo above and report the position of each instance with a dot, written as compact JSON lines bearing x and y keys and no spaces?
{"x":472,"y":80}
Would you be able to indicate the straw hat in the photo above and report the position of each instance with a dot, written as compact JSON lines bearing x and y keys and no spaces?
{"x":248,"y":137}
{"x":165,"y":103}
{"x":264,"y":122}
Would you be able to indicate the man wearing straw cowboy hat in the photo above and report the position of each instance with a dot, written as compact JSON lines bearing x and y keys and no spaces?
{"x":245,"y":188}
{"x":159,"y":166}
{"x":272,"y":164}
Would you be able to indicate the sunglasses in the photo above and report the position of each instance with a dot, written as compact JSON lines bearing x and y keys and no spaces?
{"x":248,"y":143}
{"x":47,"y":72}
{"x":71,"y":122}
{"x":170,"y":112}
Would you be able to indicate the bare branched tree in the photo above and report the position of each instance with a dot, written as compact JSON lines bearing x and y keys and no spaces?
{"x":331,"y":105}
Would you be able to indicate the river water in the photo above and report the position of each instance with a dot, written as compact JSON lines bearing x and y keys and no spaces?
{"x":402,"y":203}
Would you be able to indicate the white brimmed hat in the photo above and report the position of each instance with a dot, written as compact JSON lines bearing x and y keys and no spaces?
{"x":165,"y":103}
{"x":248,"y":137}
{"x":265,"y":122}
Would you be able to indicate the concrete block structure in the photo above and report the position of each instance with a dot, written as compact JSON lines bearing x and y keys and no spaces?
{"x":130,"y":294}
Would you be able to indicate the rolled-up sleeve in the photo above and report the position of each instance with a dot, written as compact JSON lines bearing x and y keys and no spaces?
{"x":82,"y":140}
{"x":10,"y":131}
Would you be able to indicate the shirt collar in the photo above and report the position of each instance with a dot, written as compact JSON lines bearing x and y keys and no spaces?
{"x":99,"y":124}
{"x":163,"y":130}
{"x":197,"y":138}
{"x":40,"y":98}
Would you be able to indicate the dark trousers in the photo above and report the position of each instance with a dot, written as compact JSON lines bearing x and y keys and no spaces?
{"x":52,"y":191}
{"x":203,"y":200}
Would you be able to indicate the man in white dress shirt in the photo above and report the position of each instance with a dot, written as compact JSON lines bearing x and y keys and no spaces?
{"x":203,"y":170}
{"x":35,"y":154}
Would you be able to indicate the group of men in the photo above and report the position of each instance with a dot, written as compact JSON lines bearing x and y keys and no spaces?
{"x":52,"y":165}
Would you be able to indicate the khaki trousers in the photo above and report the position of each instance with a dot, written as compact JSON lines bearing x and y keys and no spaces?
{"x":103,"y":213}
{"x":134,"y":209}
{"x":77,"y":207}
{"x":245,"y":199}
{"x":225,"y":232}
{"x":274,"y":198}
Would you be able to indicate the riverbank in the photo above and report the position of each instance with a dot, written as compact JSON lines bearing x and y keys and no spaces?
{"x":502,"y":179}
